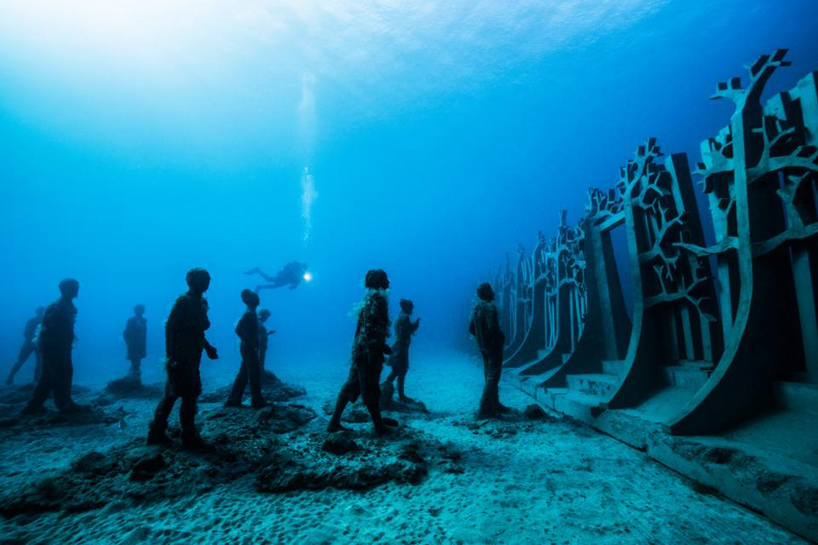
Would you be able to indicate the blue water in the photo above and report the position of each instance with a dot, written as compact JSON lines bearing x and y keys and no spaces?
{"x":139,"y":139}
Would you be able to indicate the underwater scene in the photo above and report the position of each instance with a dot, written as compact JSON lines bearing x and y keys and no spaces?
{"x":409,"y":272}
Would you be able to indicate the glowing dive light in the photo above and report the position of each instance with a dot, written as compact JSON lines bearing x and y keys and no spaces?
{"x":307,"y":276}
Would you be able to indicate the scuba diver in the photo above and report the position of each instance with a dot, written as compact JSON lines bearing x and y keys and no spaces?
{"x":291,"y":274}
{"x":55,"y":343}
{"x":485,"y":326}
{"x":29,"y":347}
{"x":399,"y":360}
{"x":267,"y":377}
{"x":135,"y":336}
{"x":368,"y":352}
{"x":248,"y":331}
{"x":184,"y":342}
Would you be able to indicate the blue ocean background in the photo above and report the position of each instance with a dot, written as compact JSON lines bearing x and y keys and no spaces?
{"x":139,"y":139}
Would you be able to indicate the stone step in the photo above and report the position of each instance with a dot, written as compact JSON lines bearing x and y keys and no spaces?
{"x":698,"y":364}
{"x":582,"y":407}
{"x":566,"y":357}
{"x":613,"y":367}
{"x":687,"y":376}
{"x":599,"y":384}
{"x":797,"y":396}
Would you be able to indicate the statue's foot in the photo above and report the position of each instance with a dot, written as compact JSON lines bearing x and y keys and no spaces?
{"x":336,"y":427}
{"x":487,"y":414}
{"x":383,"y":430}
{"x":74,"y":408}
{"x":194,"y":442}
{"x":156,"y":438}
{"x":33,"y":410}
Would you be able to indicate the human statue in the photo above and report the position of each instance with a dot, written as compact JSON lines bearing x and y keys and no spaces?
{"x":250,"y":371}
{"x":29,"y":347}
{"x":368,"y":354}
{"x":55,"y":343}
{"x":399,"y":360}
{"x":184,"y":342}
{"x":290,"y":275}
{"x":136,"y":335}
{"x":485,"y":326}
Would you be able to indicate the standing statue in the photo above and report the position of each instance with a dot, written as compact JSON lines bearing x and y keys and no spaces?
{"x":136,"y":335}
{"x":399,"y":360}
{"x":368,"y":352}
{"x":184,"y":342}
{"x":29,"y":347}
{"x":55,"y":343}
{"x":248,"y":331}
{"x":267,"y":377}
{"x":485,"y":326}
{"x":291,"y":274}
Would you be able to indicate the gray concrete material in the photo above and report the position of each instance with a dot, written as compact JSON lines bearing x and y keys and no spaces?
{"x":598,"y":384}
{"x":797,"y":397}
{"x":781,"y":489}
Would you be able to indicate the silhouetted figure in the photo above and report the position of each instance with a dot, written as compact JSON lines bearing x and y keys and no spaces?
{"x":368,"y":352}
{"x":485,"y":326}
{"x":136,"y":336}
{"x":55,"y":343}
{"x":248,"y":331}
{"x":267,"y":377}
{"x":29,"y":347}
{"x":291,"y":274}
{"x":399,"y":360}
{"x":184,"y":342}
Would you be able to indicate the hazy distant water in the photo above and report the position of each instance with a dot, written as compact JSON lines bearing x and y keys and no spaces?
{"x":138,"y":139}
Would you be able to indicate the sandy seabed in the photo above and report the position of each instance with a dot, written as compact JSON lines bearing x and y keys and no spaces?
{"x":537,"y":482}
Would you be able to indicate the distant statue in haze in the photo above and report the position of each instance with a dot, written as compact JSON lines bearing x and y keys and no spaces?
{"x":485,"y":326}
{"x":399,"y":360}
{"x":184,"y":342}
{"x":29,"y":347}
{"x":368,"y":351}
{"x":55,"y":343}
{"x":267,"y":377}
{"x":136,"y":336}
{"x":290,"y":275}
{"x":248,"y":331}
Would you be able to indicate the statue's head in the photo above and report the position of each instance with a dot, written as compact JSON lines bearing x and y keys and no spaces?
{"x":376,"y":279}
{"x":69,"y":288}
{"x":139,"y":310}
{"x":250,"y":298}
{"x":484,"y":292}
{"x":407,"y":306}
{"x":198,"y":280}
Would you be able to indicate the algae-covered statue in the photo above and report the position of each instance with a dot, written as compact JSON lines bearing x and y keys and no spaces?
{"x":267,"y":377}
{"x":290,"y":275}
{"x":136,"y":337}
{"x":55,"y":342}
{"x":248,"y":331}
{"x":485,"y":326}
{"x":184,"y":342}
{"x":399,"y":360}
{"x":368,"y":354}
{"x":29,"y":347}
